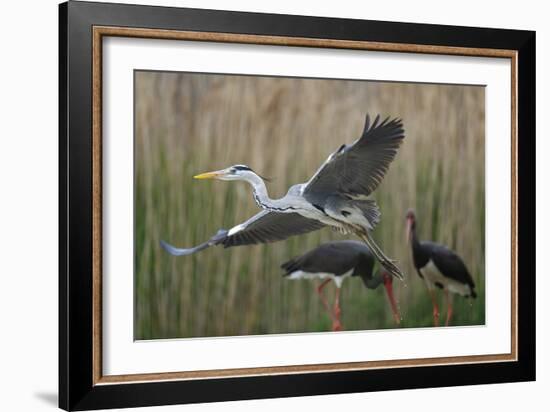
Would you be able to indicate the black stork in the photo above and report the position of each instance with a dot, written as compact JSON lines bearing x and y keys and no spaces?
{"x":336,"y":261}
{"x":439,"y":266}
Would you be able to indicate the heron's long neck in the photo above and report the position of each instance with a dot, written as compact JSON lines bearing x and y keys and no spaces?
{"x":283,"y":205}
{"x":261,"y":197}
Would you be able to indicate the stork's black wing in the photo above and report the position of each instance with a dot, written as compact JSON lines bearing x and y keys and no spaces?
{"x":336,"y":257}
{"x":449,"y":263}
{"x":358,"y":169}
{"x":264,"y":227}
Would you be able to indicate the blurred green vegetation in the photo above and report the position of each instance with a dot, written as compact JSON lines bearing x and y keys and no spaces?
{"x":285,"y":128}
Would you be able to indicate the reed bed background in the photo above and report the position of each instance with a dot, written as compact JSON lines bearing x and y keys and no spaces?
{"x":285,"y":128}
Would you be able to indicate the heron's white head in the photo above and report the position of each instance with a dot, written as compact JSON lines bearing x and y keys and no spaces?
{"x":235,"y":172}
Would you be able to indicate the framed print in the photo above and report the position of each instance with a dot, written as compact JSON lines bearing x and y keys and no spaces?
{"x":257,"y":205}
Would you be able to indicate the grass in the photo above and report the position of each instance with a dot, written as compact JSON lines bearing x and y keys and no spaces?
{"x":285,"y":128}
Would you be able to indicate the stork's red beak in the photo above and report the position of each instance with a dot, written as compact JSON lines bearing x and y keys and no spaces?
{"x":409,"y":228}
{"x":388,"y":284}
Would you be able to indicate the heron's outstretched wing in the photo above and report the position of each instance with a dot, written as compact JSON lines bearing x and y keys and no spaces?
{"x":358,"y":169}
{"x":214,"y":240}
{"x":268,"y":226}
{"x":264,"y":227}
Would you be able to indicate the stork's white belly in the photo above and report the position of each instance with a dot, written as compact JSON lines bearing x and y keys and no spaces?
{"x":338,"y":280}
{"x":432,"y":275}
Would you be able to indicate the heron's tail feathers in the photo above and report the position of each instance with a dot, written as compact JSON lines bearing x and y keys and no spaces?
{"x":387,"y":263}
{"x":370,"y":210}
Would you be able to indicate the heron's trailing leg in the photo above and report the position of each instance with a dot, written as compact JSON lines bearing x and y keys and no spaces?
{"x":449,"y":306}
{"x":336,"y":323}
{"x":435,"y":306}
{"x":387,"y":263}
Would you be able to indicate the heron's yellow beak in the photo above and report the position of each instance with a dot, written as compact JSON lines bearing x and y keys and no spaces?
{"x":210,"y":175}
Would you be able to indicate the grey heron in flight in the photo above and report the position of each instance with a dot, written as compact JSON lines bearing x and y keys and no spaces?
{"x":336,"y":261}
{"x":335,"y":196}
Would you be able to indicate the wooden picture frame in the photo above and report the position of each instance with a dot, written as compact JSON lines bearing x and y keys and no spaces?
{"x":82,"y":384}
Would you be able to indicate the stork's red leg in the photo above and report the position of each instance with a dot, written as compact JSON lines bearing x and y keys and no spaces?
{"x":449,"y":307}
{"x":435,"y":306}
{"x":324,"y":300}
{"x":336,"y":324}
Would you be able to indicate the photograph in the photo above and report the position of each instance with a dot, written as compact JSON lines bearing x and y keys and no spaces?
{"x":259,"y":204}
{"x":284,"y":205}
